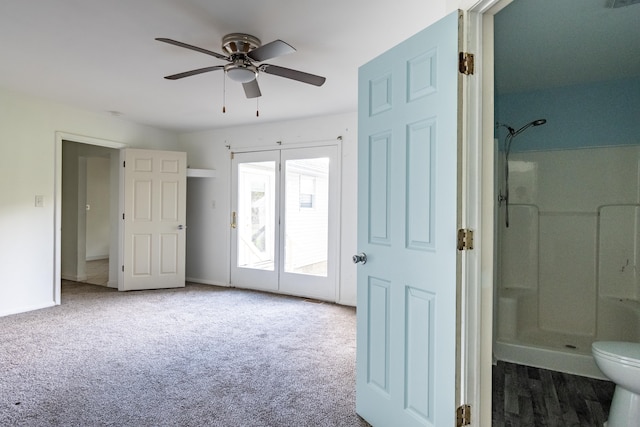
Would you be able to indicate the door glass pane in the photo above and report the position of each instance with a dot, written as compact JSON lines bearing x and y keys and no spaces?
{"x":256,"y":212}
{"x":306,"y":216}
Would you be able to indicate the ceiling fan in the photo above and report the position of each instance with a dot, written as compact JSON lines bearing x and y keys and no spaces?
{"x":244,"y":53}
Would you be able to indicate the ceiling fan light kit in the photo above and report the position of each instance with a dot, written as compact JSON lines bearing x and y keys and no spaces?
{"x":244,"y":51}
{"x":242,"y":73}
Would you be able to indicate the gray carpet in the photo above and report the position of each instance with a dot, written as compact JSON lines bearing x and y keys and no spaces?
{"x":198,"y":356}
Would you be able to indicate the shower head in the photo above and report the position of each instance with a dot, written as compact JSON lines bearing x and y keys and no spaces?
{"x":513,"y":133}
{"x":527,"y":126}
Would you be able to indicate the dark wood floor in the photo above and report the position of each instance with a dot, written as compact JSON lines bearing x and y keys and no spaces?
{"x":526,"y":396}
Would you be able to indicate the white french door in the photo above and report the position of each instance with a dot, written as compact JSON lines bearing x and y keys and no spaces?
{"x":309,"y":222}
{"x":284,"y":221}
{"x":254,"y":221}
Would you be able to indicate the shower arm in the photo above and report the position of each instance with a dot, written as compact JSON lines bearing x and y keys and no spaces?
{"x":508,"y":141}
{"x":505,"y":197}
{"x":502,"y":197}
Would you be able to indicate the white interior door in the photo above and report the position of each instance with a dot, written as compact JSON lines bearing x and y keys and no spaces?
{"x":407,"y":224}
{"x":284,"y":231}
{"x":154,"y":214}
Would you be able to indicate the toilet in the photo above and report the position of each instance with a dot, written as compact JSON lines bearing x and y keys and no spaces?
{"x":620,"y":362}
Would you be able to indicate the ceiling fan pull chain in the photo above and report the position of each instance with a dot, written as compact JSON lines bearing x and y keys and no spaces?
{"x":224,"y":92}
{"x":257,"y":105}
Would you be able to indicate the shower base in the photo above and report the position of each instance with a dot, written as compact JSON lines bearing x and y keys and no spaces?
{"x":549,"y":350}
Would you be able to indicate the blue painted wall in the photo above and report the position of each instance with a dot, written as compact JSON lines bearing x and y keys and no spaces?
{"x":581,"y":116}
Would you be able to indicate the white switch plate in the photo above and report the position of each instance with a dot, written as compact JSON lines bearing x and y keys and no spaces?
{"x":39,"y":201}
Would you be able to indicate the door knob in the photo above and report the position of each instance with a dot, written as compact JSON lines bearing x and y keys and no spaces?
{"x":361,"y":257}
{"x":182,"y":227}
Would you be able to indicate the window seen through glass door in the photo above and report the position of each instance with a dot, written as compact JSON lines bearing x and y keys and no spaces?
{"x":307,"y":216}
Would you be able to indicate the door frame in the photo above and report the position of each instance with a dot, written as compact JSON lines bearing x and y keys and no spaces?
{"x":57,"y":199}
{"x":476,"y":303}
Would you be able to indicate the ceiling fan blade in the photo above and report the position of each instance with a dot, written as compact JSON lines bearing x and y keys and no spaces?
{"x":288,"y":73}
{"x":194,"y":72}
{"x":197,"y":49}
{"x":270,"y":50}
{"x":251,"y":89}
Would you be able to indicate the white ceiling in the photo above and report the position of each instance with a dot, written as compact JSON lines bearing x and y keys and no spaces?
{"x":101,"y":55}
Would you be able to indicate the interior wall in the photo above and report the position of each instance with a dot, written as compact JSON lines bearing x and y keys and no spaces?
{"x":208,"y":200}
{"x":73,"y":173}
{"x":27,"y":169}
{"x":586,"y":115}
{"x":98,"y":197}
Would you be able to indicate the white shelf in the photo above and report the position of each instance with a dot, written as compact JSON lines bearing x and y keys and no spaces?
{"x":201,"y":173}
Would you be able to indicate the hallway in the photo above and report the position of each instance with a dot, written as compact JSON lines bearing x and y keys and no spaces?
{"x":98,"y":272}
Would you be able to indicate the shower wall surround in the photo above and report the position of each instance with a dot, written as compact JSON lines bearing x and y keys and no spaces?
{"x":574,"y":233}
{"x":568,"y":265}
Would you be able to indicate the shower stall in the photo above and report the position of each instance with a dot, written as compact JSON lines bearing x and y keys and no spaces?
{"x":568,"y":251}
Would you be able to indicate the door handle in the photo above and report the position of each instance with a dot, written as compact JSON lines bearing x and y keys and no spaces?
{"x":233,"y":220}
{"x":361,"y":257}
{"x":182,"y":227}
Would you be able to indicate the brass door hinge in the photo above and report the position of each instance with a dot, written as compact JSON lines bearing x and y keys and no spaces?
{"x":465,"y":239}
{"x":463,"y":415}
{"x":466,"y":63}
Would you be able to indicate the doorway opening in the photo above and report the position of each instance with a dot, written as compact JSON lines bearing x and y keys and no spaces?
{"x":84,"y":163}
{"x":89,"y":201}
{"x":568,"y":257}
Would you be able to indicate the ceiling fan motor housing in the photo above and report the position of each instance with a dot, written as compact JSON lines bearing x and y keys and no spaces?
{"x":239,"y":43}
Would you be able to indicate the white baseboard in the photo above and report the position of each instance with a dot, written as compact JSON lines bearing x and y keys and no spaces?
{"x":207,"y":282}
{"x":26,"y":308}
{"x":73,"y":278}
{"x":347,"y":303}
{"x":96,"y":257}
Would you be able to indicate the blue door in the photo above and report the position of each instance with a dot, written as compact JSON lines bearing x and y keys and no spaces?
{"x":407,"y":225}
